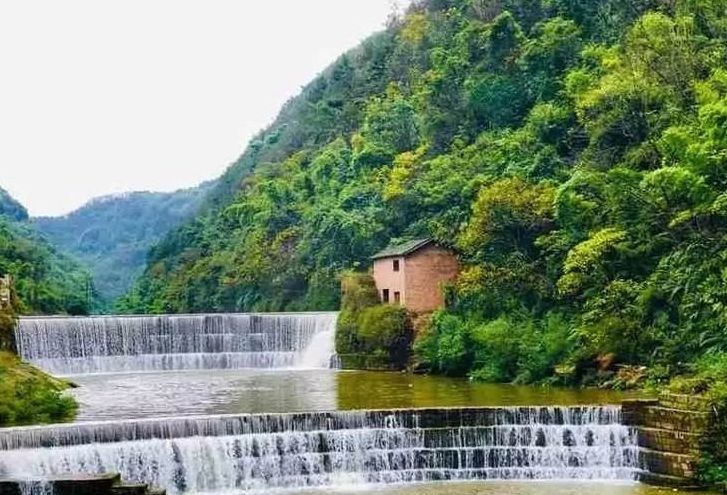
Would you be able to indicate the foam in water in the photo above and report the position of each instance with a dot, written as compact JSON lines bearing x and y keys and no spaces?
{"x":68,"y":346}
{"x":257,"y":452}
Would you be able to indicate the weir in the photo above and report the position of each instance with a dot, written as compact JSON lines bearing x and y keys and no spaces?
{"x":269,"y":451}
{"x":111,"y":344}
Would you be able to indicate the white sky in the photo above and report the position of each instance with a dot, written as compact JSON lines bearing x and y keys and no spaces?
{"x":101,"y":96}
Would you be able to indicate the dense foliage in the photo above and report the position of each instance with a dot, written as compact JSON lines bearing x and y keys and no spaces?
{"x":11,"y":208}
{"x":367,"y":331}
{"x":572,"y":152}
{"x":45,"y":281}
{"x":28,"y":396}
{"x":112,"y":235}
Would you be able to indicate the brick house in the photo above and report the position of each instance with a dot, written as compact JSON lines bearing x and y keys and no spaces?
{"x":412,"y":274}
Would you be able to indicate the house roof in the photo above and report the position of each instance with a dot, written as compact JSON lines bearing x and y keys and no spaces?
{"x":402,"y":249}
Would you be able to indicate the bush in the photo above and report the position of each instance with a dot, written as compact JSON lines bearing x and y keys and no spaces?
{"x":515,"y":348}
{"x":370,"y":329}
{"x":384,"y":329}
{"x":358,"y":292}
{"x":445,"y":346}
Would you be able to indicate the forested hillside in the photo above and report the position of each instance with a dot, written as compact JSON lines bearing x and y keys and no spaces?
{"x":46,"y":282}
{"x":112,"y":235}
{"x":573,"y":152}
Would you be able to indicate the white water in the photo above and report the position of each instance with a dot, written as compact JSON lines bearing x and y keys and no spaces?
{"x":245,"y":452}
{"x":70,"y":346}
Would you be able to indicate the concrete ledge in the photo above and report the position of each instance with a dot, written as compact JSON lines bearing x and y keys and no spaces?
{"x":668,"y":463}
{"x":103,"y":484}
{"x":669,"y":481}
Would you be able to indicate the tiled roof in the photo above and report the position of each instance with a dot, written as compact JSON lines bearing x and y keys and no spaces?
{"x":402,"y":249}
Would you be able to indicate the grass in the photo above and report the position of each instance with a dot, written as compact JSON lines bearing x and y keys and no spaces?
{"x":29,"y":396}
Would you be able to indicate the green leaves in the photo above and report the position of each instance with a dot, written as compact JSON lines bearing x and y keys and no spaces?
{"x":586,"y":263}
{"x":573,"y":152}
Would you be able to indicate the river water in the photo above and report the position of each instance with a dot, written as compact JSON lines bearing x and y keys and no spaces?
{"x":231,"y":404}
{"x":504,"y":488}
{"x":142,"y":395}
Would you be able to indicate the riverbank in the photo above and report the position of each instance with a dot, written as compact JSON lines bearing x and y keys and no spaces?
{"x":30,"y":396}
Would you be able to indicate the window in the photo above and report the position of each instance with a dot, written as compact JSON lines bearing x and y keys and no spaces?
{"x":385,"y":295}
{"x":397,"y":297}
{"x":396,"y":265}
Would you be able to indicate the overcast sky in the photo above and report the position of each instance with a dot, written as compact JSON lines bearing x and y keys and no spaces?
{"x":101,"y":96}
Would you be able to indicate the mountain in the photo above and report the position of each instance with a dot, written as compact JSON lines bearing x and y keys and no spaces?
{"x":111,"y":235}
{"x":10,"y":207}
{"x":46,"y":281}
{"x":571,"y":152}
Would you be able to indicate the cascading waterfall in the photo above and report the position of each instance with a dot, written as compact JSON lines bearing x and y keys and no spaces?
{"x":258,"y":452}
{"x":69,"y":346}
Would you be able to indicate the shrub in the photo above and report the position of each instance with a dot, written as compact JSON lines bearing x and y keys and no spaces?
{"x":445,"y":346}
{"x":385,"y":329}
{"x":510,"y":348}
{"x":497,"y":353}
{"x":370,"y":329}
{"x":358,"y":292}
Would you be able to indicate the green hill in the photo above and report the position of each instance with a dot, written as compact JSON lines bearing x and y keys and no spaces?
{"x":46,"y":281}
{"x":572,"y":152}
{"x":112,"y":235}
{"x":10,"y":208}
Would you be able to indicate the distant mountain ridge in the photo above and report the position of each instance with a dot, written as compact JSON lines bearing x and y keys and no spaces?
{"x":112,"y":234}
{"x":11,"y":208}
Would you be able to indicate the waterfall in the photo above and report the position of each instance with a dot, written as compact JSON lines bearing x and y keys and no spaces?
{"x":107,"y":344}
{"x":258,"y":452}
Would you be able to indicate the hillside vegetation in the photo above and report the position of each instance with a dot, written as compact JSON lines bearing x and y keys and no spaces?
{"x":46,"y":281}
{"x":112,"y":235}
{"x":574,"y":154}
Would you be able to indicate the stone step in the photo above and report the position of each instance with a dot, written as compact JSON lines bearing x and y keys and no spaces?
{"x":664,"y":440}
{"x":668,"y":481}
{"x":666,"y":418}
{"x":685,"y":402}
{"x":667,"y":463}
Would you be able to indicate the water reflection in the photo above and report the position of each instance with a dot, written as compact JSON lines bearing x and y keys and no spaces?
{"x":366,"y":390}
{"x":141,"y":395}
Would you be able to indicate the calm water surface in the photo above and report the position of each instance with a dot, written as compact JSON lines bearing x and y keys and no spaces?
{"x":129,"y":396}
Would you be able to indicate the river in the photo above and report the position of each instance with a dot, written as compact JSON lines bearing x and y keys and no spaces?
{"x":231,"y":404}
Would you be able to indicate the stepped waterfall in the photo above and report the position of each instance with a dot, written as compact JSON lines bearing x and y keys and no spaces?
{"x":236,"y":453}
{"x":272,"y":451}
{"x":111,"y":344}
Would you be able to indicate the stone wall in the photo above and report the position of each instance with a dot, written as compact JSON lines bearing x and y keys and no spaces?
{"x":107,"y":484}
{"x":672,"y":432}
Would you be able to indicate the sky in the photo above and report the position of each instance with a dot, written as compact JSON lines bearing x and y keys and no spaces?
{"x":102,"y":97}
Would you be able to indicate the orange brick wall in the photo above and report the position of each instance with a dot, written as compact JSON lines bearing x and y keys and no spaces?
{"x":419,"y":279}
{"x":426,"y":271}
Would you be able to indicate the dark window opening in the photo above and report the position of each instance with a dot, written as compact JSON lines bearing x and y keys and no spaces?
{"x":396,"y":265}
{"x":385,"y":295}
{"x":397,"y":297}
